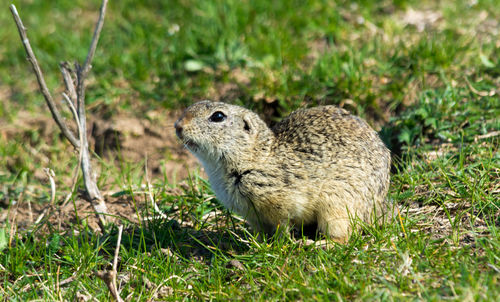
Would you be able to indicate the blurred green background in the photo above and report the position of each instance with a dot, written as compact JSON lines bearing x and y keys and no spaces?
{"x":378,"y":55}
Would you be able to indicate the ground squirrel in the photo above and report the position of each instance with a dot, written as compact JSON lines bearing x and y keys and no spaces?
{"x":320,"y":166}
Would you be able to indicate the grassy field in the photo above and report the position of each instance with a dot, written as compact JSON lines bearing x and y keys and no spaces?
{"x":425,"y":74}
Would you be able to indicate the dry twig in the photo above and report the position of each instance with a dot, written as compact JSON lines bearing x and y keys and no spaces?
{"x":109,"y":277}
{"x":81,"y":73}
{"x":480,"y":93}
{"x":149,"y":192}
{"x":50,"y":174}
{"x":80,"y":153}
{"x":487,"y":135}
{"x":13,"y":224}
{"x":41,"y":81}
{"x":74,"y":96}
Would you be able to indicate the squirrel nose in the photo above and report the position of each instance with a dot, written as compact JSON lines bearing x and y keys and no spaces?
{"x":178,"y":129}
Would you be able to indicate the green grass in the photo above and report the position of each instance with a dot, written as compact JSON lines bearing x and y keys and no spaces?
{"x":433,"y":94}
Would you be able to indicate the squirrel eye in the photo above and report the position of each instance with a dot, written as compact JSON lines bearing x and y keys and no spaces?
{"x":217,"y":117}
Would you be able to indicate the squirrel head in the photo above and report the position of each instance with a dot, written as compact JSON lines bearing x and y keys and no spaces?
{"x":215,"y":131}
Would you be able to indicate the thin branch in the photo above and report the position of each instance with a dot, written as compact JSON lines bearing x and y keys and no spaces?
{"x":50,"y":174}
{"x":82,"y":71}
{"x":109,"y":277}
{"x":76,"y":96}
{"x":150,"y":189}
{"x":30,"y":210}
{"x":69,"y":82}
{"x":487,"y":135}
{"x":117,"y":249}
{"x":41,"y":81}
{"x":67,"y":280}
{"x":94,"y":195}
{"x":80,"y":154}
{"x":480,"y":93}
{"x":95,"y":38}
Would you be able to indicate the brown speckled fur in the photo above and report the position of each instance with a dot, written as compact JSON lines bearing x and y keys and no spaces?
{"x":317,"y":166}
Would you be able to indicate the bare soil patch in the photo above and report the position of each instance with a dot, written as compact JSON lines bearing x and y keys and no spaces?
{"x":119,"y":138}
{"x":133,"y":139}
{"x":122,"y":137}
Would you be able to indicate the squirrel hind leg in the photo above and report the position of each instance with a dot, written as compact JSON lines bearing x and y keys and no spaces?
{"x":338,"y":229}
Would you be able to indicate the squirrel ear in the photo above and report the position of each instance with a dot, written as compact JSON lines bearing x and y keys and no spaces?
{"x":248,"y":124}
